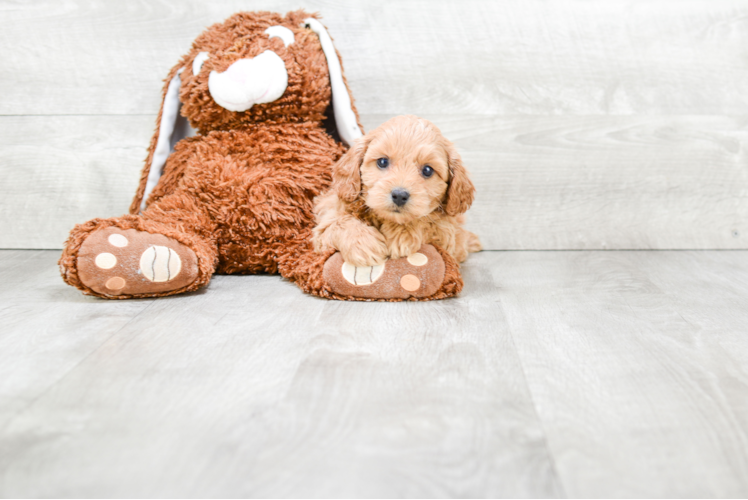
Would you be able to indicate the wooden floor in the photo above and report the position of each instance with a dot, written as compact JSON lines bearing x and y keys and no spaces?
{"x":556,"y":373}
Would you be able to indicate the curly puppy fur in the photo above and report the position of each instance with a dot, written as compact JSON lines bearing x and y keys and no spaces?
{"x":359,"y":216}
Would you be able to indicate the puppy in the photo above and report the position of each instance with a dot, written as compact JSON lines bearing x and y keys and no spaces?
{"x":399,"y":187}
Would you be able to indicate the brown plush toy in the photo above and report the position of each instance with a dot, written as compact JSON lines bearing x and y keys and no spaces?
{"x":231,"y":188}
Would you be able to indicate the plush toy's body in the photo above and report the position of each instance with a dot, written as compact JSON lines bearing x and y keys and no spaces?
{"x":237,"y":197}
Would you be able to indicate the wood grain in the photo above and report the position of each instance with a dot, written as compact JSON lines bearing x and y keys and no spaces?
{"x":44,"y":330}
{"x":218,"y":394}
{"x":636,"y":362}
{"x":59,"y":171}
{"x":579,"y":374}
{"x":420,"y":57}
{"x":604,"y":182}
{"x":607,"y":182}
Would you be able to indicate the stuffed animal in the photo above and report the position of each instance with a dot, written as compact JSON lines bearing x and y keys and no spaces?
{"x":253,"y":119}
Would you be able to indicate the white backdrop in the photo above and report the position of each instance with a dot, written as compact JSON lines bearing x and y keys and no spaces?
{"x":585,"y":125}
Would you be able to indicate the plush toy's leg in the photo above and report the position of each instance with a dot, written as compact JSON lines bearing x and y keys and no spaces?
{"x":163,"y":252}
{"x":429,"y":274}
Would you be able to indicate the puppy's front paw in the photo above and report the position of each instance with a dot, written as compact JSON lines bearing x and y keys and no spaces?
{"x":365,"y":247}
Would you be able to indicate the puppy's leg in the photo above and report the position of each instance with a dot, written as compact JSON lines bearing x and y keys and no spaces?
{"x":402,"y":240}
{"x":465,"y":242}
{"x":359,"y":244}
{"x":473,"y":242}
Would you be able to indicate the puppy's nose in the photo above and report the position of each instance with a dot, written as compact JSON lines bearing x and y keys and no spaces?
{"x":399,"y":196}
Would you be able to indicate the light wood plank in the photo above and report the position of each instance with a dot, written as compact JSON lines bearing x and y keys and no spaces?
{"x":712,"y":297}
{"x":221,"y":393}
{"x":46,"y":328}
{"x":421,"y":57}
{"x":635,"y":363}
{"x":634,"y":182}
{"x":607,"y":182}
{"x":640,"y":395}
{"x":59,"y":171}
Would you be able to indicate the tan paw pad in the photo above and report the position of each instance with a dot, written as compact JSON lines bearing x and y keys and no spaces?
{"x":410,"y":283}
{"x":116,"y":283}
{"x":117,"y":240}
{"x":159,"y":264}
{"x":105,"y":260}
{"x":361,"y":276}
{"x":418,"y":259}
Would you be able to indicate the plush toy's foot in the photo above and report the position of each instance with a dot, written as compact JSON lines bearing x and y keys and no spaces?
{"x":116,"y":262}
{"x":417,"y":276}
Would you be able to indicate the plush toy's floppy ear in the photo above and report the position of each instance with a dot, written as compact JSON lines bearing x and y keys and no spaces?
{"x":346,"y":173}
{"x":346,"y":118}
{"x":170,"y":128}
{"x":461,"y":192}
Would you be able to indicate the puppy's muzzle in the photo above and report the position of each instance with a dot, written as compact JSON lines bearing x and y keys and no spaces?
{"x":400,"y":196}
{"x":249,"y":81}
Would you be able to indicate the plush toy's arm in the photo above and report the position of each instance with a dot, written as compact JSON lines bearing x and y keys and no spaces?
{"x":184,"y":155}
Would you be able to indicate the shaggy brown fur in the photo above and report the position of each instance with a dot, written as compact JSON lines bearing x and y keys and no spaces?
{"x":359,"y":217}
{"x":240,"y":194}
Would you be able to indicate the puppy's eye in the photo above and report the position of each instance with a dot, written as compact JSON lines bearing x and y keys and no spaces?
{"x":383,"y":163}
{"x":427,"y":171}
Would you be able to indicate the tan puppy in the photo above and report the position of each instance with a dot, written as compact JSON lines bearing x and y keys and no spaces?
{"x":399,"y":187}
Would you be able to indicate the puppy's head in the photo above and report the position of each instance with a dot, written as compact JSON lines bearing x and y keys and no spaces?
{"x":404,"y":170}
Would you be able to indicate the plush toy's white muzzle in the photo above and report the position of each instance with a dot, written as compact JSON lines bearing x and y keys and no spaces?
{"x":249,"y":81}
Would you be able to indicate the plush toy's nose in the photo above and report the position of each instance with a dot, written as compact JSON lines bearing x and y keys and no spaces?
{"x":249,"y":81}
{"x":400,"y":196}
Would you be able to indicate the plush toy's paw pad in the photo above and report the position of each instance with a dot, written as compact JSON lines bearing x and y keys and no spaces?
{"x":360,"y":276}
{"x":419,"y":275}
{"x":115,"y":261}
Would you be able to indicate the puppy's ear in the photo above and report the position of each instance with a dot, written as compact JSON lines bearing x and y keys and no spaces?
{"x":460,"y":192}
{"x":346,"y":173}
